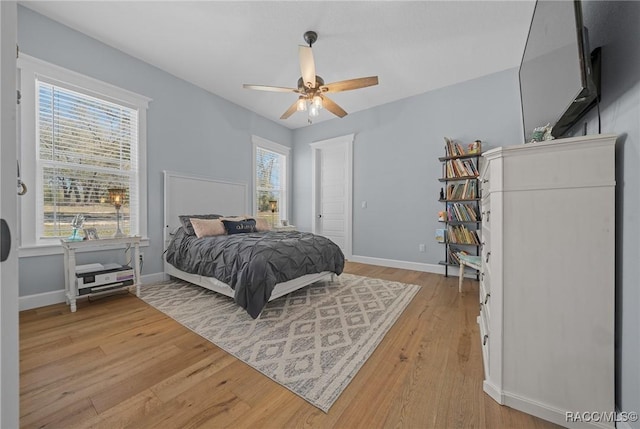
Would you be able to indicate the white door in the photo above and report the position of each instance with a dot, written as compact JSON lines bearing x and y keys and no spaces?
{"x":332,"y":190}
{"x":9,"y":397}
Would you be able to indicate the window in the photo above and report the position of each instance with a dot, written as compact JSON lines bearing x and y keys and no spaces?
{"x":80,"y":138}
{"x":270,"y":180}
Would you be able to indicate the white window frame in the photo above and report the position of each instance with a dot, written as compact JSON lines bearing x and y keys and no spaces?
{"x":259,"y":142}
{"x":30,"y":68}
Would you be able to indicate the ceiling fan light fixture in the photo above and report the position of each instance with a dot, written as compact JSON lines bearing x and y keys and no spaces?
{"x":311,"y":88}
{"x":317,"y":101}
{"x":302,"y":104}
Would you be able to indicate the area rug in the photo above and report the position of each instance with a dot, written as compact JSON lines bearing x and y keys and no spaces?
{"x":312,"y":341}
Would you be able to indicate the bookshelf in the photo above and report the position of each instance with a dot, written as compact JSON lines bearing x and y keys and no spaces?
{"x":460,"y":194}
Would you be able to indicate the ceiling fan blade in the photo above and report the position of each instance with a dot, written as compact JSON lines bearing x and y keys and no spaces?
{"x":332,"y":107}
{"x":347,"y":85}
{"x":269,"y":88}
{"x":307,"y":66}
{"x":290,"y":111}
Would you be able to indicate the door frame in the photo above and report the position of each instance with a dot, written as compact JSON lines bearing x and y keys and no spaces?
{"x":316,"y":147}
{"x":9,"y":343}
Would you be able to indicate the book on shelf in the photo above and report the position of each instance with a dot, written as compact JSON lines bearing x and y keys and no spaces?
{"x":460,"y":234}
{"x":453,"y":148}
{"x":461,"y":212}
{"x":466,"y":190}
{"x":441,"y":235}
{"x":455,"y":168}
{"x":453,"y":255}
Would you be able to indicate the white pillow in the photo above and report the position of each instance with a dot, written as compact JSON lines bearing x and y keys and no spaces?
{"x":207,"y":227}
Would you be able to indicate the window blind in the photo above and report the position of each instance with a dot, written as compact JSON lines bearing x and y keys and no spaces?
{"x":86,"y":146}
{"x":270,"y":183}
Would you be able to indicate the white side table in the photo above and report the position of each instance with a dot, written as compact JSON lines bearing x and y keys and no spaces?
{"x":70,"y":247}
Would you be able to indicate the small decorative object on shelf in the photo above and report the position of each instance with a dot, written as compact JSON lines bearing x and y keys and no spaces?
{"x":542,"y":134}
{"x":76,"y":224}
{"x":461,"y":197}
{"x":475,"y":147}
{"x":91,"y":234}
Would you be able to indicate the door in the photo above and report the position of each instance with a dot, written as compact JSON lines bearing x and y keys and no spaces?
{"x":332,"y":190}
{"x":9,"y":397}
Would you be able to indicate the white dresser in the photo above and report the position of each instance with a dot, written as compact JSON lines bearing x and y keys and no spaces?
{"x":547,"y":279}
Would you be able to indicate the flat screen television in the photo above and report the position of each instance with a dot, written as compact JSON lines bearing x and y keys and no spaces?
{"x":559,"y":78}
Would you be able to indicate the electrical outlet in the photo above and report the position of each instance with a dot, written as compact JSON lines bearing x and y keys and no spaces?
{"x":422,"y":248}
{"x":141,"y":257}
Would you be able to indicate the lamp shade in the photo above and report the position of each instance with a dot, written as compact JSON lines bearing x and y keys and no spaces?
{"x":301,"y":104}
{"x":116,"y":196}
{"x":317,"y":101}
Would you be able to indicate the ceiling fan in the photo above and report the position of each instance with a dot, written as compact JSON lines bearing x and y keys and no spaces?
{"x":312,"y":88}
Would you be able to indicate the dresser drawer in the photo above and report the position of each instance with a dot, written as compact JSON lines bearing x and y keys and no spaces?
{"x":485,"y":291}
{"x":484,"y":341}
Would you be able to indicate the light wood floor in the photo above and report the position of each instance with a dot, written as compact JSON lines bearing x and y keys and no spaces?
{"x":119,"y":363}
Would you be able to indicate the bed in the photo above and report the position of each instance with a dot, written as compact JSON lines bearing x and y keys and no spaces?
{"x":252,"y":268}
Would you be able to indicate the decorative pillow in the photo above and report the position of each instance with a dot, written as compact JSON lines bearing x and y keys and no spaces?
{"x":207,"y":227}
{"x":262,"y":225}
{"x":236,"y":218}
{"x":186,"y":221}
{"x":240,"y":227}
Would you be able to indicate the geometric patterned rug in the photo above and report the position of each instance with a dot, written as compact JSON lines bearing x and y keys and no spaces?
{"x":312,"y":341}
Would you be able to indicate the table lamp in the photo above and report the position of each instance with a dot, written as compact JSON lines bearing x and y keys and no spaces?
{"x":116,"y":197}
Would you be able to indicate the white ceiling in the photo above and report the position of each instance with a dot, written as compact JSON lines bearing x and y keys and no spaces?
{"x":413,"y":46}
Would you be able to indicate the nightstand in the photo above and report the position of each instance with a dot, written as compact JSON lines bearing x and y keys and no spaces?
{"x":70,"y":248}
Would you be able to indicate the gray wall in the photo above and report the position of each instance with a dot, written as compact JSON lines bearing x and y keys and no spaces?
{"x":396,"y":165}
{"x":189,"y":130}
{"x":614,"y":27}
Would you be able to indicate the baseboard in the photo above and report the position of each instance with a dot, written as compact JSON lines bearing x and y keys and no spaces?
{"x":57,"y":296}
{"x":551,"y":414}
{"x":153,"y":278}
{"x":407,"y":265}
{"x":41,"y":299}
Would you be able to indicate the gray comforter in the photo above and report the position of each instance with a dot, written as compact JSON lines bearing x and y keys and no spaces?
{"x":252,"y":264}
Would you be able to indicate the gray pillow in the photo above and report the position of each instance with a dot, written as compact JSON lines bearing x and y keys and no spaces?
{"x":185,"y":220}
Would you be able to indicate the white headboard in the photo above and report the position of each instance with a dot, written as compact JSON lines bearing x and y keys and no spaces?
{"x":185,"y":194}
